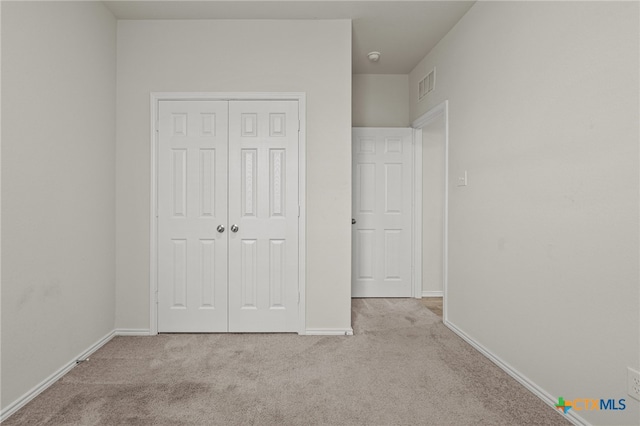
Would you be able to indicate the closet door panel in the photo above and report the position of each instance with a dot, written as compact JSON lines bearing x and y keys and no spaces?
{"x":263,"y":204}
{"x":192,"y":203}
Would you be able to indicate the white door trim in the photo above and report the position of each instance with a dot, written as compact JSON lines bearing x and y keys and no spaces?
{"x":416,"y":261}
{"x":418,"y":124}
{"x":155,"y":98}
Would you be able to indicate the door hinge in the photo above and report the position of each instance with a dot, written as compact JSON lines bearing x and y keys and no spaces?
{"x":298,"y":125}
{"x":157,"y":126}
{"x":299,"y":211}
{"x":156,"y":297}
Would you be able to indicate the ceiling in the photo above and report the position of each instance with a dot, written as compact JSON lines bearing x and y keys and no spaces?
{"x":402,"y":31}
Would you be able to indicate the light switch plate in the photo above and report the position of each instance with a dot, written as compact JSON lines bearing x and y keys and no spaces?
{"x":462,"y":180}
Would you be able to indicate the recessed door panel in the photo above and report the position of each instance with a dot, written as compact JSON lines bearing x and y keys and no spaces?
{"x":277,"y":273}
{"x":179,"y":123}
{"x":393,"y":254}
{"x":208,"y":121}
{"x":277,"y":182}
{"x":207,"y":274}
{"x":365,"y":261}
{"x":248,"y":184}
{"x":179,"y":182}
{"x":248,"y":273}
{"x":207,"y":182}
{"x":179,"y":276}
{"x":277,"y":124}
{"x":365,"y":182}
{"x":393,"y":188}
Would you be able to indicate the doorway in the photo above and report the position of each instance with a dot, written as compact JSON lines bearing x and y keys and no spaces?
{"x":228,"y":222}
{"x":429,"y":195}
{"x":432,"y":128}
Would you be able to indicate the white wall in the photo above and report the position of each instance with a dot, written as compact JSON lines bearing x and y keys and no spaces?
{"x":240,"y":56}
{"x":543,"y":103}
{"x":380,"y":100}
{"x":433,"y":163}
{"x":58,"y":186}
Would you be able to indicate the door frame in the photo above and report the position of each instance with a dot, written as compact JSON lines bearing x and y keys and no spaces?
{"x":416,"y":257}
{"x":155,"y":98}
{"x":440,"y":110}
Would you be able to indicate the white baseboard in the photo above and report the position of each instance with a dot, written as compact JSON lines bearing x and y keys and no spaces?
{"x":42,"y":386}
{"x":438,"y":293}
{"x":329,"y":332}
{"x":519,"y":377}
{"x":132,"y":332}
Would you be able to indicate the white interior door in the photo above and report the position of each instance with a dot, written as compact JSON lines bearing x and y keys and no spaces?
{"x":382,"y":209}
{"x":192,"y":203}
{"x":263,"y":216}
{"x":228,"y":216}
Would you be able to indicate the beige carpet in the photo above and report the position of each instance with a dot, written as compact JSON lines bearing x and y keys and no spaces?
{"x":402,"y":367}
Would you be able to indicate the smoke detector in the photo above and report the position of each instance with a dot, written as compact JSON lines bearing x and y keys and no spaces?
{"x":374,"y":56}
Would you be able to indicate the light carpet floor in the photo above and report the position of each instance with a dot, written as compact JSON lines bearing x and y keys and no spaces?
{"x":402,"y":367}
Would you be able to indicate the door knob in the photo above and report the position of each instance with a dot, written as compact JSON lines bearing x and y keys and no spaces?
{"x":234,"y":228}
{"x":353,"y":221}
{"x":220,"y":228}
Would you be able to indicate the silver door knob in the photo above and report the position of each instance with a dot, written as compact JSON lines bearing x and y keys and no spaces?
{"x":234,"y":228}
{"x":220,"y":228}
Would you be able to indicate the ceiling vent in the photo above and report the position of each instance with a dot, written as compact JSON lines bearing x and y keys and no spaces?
{"x":427,"y":84}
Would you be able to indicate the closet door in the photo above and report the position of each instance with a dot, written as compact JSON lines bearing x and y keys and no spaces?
{"x":263,"y":216}
{"x":192,"y":216}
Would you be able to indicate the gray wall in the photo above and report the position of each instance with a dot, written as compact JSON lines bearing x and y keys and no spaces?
{"x":380,"y":100}
{"x":543,"y":259}
{"x":58,"y":186}
{"x":240,"y":56}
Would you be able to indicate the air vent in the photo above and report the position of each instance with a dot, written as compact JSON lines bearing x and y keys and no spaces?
{"x":427,"y":84}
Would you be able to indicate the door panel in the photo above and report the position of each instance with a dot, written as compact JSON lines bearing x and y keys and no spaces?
{"x":382,"y":194}
{"x":192,"y":202}
{"x":263,"y":203}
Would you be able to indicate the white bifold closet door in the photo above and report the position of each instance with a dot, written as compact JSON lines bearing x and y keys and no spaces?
{"x":192,"y":203}
{"x":382,"y":211}
{"x":263,"y":204}
{"x":228,"y":216}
